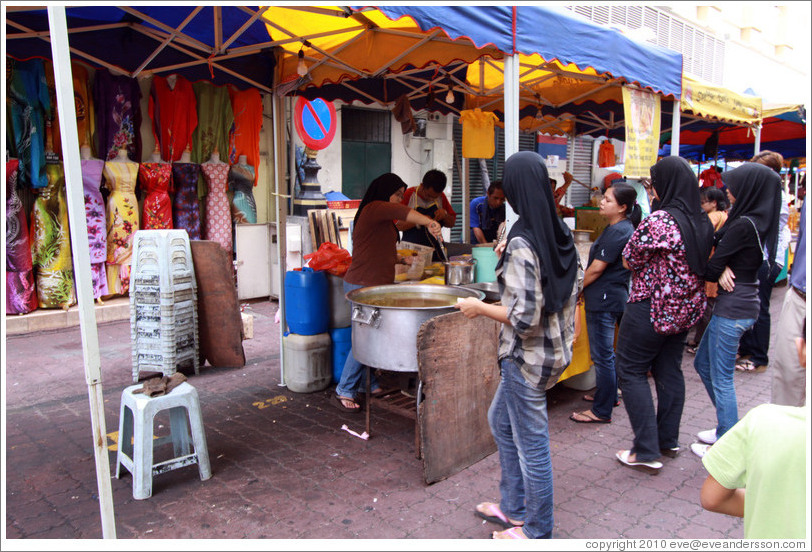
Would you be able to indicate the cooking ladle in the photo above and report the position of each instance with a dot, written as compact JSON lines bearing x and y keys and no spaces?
{"x":437,"y":246}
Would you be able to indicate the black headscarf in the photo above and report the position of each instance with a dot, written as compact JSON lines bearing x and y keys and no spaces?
{"x":678,"y":189}
{"x":381,"y":189}
{"x":528,"y":192}
{"x":757,"y":190}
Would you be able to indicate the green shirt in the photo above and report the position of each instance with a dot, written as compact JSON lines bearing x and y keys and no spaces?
{"x":765,"y":453}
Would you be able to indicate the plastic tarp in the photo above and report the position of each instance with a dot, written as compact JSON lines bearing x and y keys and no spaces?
{"x":709,"y":100}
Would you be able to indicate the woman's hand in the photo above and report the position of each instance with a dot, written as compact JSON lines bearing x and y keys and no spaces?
{"x":500,"y":248}
{"x":726,"y":280}
{"x":435,"y":229}
{"x":469,"y":306}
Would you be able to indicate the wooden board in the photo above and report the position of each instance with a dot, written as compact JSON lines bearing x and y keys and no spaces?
{"x":459,"y":378}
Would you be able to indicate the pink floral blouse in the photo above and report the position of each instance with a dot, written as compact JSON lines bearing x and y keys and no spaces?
{"x":660,"y":271}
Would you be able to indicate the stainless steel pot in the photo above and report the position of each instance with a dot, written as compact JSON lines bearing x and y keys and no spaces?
{"x":458,"y":273}
{"x":386,"y":319}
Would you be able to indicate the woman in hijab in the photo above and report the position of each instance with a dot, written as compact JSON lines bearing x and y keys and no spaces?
{"x":667,"y":254}
{"x":373,"y":261}
{"x":752,"y":226}
{"x":540,"y":277}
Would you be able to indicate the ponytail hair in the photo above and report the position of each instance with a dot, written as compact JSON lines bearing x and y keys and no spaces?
{"x":626,"y":195}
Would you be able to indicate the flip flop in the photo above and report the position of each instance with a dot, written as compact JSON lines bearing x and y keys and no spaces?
{"x":490,"y":511}
{"x":340,"y":405}
{"x":588,"y":417}
{"x":653,"y":467}
{"x":512,"y":533}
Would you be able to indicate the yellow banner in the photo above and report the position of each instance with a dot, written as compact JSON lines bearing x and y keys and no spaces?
{"x":709,"y":100}
{"x":641,"y":110}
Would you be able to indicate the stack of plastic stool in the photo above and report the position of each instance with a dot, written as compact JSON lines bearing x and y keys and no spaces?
{"x":135,"y":439}
{"x":163,"y":303}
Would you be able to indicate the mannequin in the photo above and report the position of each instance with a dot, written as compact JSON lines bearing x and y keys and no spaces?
{"x":122,"y":156}
{"x":185,"y":202}
{"x":84,"y":152}
{"x":217,"y":219}
{"x":243,"y":160}
{"x":186,"y":156}
{"x":241,"y":182}
{"x":156,"y":155}
{"x":154,"y":178}
{"x":215,"y":158}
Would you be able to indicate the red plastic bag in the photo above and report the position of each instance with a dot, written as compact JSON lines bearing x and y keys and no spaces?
{"x":331,"y":258}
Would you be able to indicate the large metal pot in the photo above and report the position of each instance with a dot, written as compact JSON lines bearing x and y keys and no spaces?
{"x":386,"y":319}
{"x":458,"y":273}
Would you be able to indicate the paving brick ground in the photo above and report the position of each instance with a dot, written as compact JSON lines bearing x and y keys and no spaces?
{"x":282,"y":468}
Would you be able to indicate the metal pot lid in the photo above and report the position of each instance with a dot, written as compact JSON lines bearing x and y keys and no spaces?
{"x":447,"y":295}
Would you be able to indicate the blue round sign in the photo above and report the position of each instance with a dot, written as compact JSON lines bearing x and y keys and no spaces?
{"x":315,"y":122}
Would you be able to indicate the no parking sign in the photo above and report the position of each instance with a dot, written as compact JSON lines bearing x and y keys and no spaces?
{"x":315,"y":122}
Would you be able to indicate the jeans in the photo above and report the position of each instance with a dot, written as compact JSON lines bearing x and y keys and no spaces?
{"x":600,"y":327}
{"x":518,"y":420}
{"x":715,"y":363}
{"x":639,"y":350}
{"x":352,"y":375}
{"x":756,"y":341}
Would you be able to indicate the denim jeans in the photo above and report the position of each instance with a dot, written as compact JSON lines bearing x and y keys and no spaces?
{"x":518,"y":420}
{"x":639,"y":350}
{"x":352,"y":379}
{"x":600,"y":327}
{"x":715,"y":363}
{"x":756,"y":341}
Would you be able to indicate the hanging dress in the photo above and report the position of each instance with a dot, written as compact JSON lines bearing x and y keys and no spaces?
{"x":185,"y":205}
{"x":155,"y":179}
{"x":243,"y":206}
{"x":21,"y":291}
{"x":122,"y":223}
{"x":174,"y":115}
{"x":96,"y":224}
{"x":217,"y":222}
{"x":244,"y":136}
{"x":214,"y":120}
{"x":29,"y":107}
{"x":118,"y":115}
{"x":50,"y":247}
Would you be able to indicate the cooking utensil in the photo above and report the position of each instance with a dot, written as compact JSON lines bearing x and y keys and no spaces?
{"x":459,"y":272}
{"x":438,"y":247}
{"x":490,"y":289}
{"x":386,"y":319}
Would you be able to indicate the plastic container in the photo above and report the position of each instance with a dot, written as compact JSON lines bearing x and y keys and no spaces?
{"x":486,"y":260}
{"x":307,"y":308}
{"x":339,"y":306}
{"x":342,"y":343}
{"x":307,"y":362}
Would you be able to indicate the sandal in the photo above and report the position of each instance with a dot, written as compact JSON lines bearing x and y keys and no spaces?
{"x":490,"y":511}
{"x":338,"y":402}
{"x":747,"y":365}
{"x":588,"y":417}
{"x":653,"y":467}
{"x":691,"y":349}
{"x":512,"y":533}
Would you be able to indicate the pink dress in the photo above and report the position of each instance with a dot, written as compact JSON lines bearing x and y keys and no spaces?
{"x":217,"y":223}
{"x":96,"y":224}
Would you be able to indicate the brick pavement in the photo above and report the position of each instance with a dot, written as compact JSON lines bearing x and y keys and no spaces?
{"x":282,"y":468}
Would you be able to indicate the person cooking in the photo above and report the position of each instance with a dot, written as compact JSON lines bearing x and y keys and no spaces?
{"x":428,"y":199}
{"x":374,"y":256}
{"x":487,"y":213}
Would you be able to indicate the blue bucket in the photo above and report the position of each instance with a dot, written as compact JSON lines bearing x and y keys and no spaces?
{"x":307,"y":309}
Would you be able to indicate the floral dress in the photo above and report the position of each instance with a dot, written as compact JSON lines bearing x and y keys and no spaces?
{"x":50,"y":248}
{"x":21,"y":291}
{"x":122,"y":223}
{"x":96,"y":224}
{"x":185,"y":205}
{"x":155,"y":179}
{"x":118,"y":114}
{"x":217,"y":222}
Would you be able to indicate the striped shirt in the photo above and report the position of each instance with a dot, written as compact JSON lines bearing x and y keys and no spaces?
{"x":539,"y":342}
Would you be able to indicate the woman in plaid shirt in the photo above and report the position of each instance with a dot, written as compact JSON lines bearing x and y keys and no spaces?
{"x":540,"y":277}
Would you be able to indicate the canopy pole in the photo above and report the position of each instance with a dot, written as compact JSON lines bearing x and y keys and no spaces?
{"x":675,"y":128}
{"x":281,"y":223}
{"x":511,"y":121}
{"x":63,"y":79}
{"x":757,"y":147}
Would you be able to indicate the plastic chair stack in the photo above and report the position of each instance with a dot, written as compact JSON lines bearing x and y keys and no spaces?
{"x":163,"y":303}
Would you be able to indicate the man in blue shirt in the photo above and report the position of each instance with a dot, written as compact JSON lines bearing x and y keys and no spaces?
{"x":487,"y":213}
{"x":789,"y":377}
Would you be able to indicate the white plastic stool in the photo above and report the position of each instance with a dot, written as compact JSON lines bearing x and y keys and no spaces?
{"x":135,"y":439}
